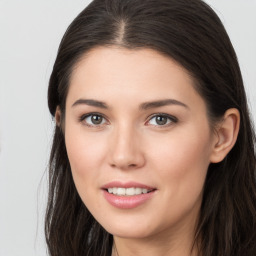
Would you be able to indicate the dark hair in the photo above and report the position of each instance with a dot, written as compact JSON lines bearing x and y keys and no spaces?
{"x":189,"y":32}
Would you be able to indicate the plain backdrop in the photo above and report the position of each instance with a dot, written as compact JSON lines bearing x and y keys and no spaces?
{"x":30,"y":31}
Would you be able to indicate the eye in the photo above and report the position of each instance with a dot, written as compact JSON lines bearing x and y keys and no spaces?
{"x":93,"y":119}
{"x":162,"y":120}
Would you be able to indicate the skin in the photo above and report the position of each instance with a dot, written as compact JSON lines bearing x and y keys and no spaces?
{"x":129,"y":145}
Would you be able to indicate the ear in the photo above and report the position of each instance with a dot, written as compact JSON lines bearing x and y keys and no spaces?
{"x":58,"y":116}
{"x":226,"y":135}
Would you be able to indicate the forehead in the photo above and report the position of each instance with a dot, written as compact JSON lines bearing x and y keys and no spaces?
{"x":123,"y":61}
{"x":108,"y":72}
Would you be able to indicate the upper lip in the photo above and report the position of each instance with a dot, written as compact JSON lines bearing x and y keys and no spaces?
{"x":130,"y":184}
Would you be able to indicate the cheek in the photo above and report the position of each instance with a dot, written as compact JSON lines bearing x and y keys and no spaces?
{"x":86,"y":154}
{"x":183,"y":158}
{"x":181,"y":162}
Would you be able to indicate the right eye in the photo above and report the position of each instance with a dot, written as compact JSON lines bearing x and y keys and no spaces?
{"x":93,"y":120}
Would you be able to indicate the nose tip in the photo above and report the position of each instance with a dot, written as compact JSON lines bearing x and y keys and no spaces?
{"x":126,"y":152}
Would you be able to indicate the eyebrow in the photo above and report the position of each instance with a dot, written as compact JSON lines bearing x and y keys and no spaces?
{"x":90,"y":102}
{"x":161,"y":103}
{"x":143,"y":106}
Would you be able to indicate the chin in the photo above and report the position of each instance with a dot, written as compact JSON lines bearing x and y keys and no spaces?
{"x":130,"y":234}
{"x":136,"y":229}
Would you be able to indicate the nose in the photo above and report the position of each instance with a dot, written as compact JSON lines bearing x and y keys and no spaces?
{"x":126,"y":151}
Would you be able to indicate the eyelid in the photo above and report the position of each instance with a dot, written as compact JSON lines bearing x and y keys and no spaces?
{"x":84,"y":116}
{"x":172,"y":119}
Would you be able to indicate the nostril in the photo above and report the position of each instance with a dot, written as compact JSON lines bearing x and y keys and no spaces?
{"x":132,"y":165}
{"x":128,"y":165}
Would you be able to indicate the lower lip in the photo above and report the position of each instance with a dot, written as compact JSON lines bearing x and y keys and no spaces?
{"x":127,"y":202}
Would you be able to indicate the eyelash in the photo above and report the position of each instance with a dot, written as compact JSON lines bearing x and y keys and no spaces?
{"x":171,"y":119}
{"x":83,"y":117}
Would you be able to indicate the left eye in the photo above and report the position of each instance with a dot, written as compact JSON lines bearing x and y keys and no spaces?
{"x":161,"y":120}
{"x":94,"y":120}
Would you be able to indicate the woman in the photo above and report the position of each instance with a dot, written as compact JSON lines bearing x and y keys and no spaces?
{"x":153,"y":152}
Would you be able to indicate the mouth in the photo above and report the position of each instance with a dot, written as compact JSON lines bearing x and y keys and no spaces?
{"x":127,"y":195}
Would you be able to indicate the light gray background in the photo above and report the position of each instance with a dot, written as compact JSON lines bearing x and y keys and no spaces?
{"x":30,"y":32}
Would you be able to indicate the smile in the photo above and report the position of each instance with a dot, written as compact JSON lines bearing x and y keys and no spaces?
{"x":128,"y":191}
{"x":127,"y":195}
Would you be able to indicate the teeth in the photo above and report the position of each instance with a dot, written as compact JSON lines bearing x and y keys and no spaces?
{"x":144,"y":191}
{"x":128,"y":191}
{"x":138,"y":191}
{"x":121,"y":191}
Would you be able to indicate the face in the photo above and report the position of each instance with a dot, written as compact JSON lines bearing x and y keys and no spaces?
{"x":138,"y":141}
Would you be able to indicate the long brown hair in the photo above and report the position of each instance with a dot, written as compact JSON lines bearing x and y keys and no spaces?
{"x":189,"y":32}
